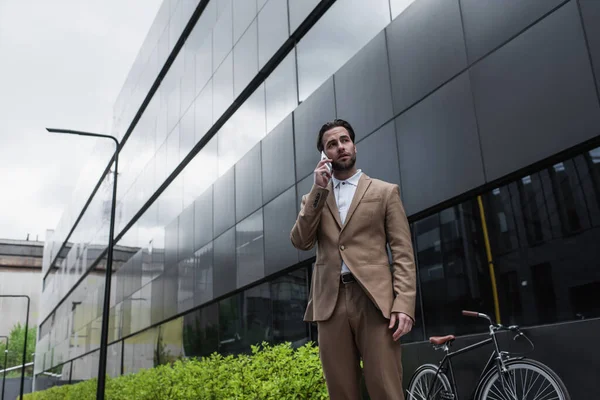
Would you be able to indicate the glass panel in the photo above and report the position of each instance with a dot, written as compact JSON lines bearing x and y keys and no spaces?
{"x":245,"y":56}
{"x":204,"y":112}
{"x":223,"y":88}
{"x":289,"y":295}
{"x":203,"y":275}
{"x":335,"y":39}
{"x":224,"y":204}
{"x":250,"y":249}
{"x":272,"y":29}
{"x":280,"y":215}
{"x":223,"y":35}
{"x":139,"y":351}
{"x":201,"y":332}
{"x":224,"y":273}
{"x":244,"y":12}
{"x":248,"y":182}
{"x":278,"y":160}
{"x":452,"y":270}
{"x":203,"y":224}
{"x":258,"y":316}
{"x":281,"y":91}
{"x":231,"y":325}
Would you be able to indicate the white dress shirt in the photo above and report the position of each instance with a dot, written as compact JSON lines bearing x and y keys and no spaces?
{"x":344,"y":193}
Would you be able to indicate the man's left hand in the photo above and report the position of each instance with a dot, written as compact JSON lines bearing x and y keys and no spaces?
{"x":404,"y":322}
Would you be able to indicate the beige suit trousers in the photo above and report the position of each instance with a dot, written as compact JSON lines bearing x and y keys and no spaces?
{"x":356,"y":330}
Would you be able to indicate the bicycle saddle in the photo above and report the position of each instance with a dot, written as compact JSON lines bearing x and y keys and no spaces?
{"x":439,"y":340}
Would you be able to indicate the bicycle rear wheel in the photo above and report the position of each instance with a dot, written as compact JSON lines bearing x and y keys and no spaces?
{"x":526,"y":380}
{"x":426,"y":385}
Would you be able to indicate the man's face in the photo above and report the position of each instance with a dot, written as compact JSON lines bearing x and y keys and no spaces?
{"x":339,"y":148}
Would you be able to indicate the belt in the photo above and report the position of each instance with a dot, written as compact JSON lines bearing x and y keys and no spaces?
{"x":347,"y":278}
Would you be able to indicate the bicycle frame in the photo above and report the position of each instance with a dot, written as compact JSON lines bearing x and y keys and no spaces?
{"x":495,"y":356}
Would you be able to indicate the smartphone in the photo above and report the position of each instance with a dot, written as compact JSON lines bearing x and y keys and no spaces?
{"x":324,"y":157}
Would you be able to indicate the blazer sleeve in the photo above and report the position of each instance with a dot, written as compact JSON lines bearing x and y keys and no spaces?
{"x":304,"y":232}
{"x":403,"y":260}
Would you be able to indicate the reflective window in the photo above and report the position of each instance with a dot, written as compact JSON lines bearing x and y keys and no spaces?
{"x":344,"y":29}
{"x":281,"y":91}
{"x":299,"y":10}
{"x":289,"y":295}
{"x":452,"y":270}
{"x":203,"y":275}
{"x":222,"y":34}
{"x":139,"y":351}
{"x":248,"y":184}
{"x":245,"y":56}
{"x":201,"y":332}
{"x":203,"y":107}
{"x":242,"y":131}
{"x":250,"y":249}
{"x":272,"y":29}
{"x":280,"y":215}
{"x":244,"y":12}
{"x":203,"y":222}
{"x":224,"y":203}
{"x":278,"y":160}
{"x":223,"y":88}
{"x":224,"y":269}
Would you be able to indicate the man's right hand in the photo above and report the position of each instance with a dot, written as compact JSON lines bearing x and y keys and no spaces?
{"x":322,"y":174}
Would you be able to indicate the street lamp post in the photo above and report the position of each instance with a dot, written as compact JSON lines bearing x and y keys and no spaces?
{"x":24,"y":340}
{"x":5,"y":365}
{"x":109,"y":261}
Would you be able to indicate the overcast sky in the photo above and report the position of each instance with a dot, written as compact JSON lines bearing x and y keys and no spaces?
{"x":62,"y":64}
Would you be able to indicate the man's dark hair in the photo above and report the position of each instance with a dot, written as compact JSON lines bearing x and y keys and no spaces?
{"x":330,"y":125}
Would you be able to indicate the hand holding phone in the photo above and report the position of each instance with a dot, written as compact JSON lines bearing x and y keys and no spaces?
{"x":323,"y":171}
{"x":327,"y":164}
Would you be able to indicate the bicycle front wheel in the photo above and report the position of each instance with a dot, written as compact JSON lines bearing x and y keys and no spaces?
{"x":526,"y":380}
{"x":428,"y":383}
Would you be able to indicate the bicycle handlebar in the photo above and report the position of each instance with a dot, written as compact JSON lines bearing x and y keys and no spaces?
{"x":470,"y":313}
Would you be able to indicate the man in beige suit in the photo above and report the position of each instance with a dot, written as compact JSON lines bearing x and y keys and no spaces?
{"x":361,"y":305}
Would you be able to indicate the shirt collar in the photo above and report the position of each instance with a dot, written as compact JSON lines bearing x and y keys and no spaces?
{"x":353,"y":180}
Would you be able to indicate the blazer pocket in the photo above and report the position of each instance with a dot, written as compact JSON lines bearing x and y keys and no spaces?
{"x":371,"y":200}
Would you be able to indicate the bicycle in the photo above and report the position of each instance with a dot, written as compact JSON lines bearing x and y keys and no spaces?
{"x":504,"y":377}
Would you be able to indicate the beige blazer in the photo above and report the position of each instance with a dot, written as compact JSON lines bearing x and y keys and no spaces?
{"x":376,"y":217}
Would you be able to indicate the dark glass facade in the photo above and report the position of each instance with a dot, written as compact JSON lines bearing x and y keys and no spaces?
{"x":482,"y":131}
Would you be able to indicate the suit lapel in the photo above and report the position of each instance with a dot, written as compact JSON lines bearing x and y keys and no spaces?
{"x":363,"y":184}
{"x":332,"y":205}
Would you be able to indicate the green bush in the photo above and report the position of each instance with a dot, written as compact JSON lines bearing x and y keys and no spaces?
{"x":270,"y":372}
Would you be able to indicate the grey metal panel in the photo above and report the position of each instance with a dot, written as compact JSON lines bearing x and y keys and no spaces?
{"x":280,"y":215}
{"x":278,"y":160}
{"x":272,"y":29}
{"x":489,"y":23}
{"x":245,"y":59}
{"x":185,"y":248}
{"x":224,"y":268}
{"x":378,"y":155}
{"x":248,"y":193}
{"x":366,"y":102}
{"x":426,"y":48}
{"x":224,"y":203}
{"x":535,"y":96}
{"x":439,"y":148}
{"x":203,"y":219}
{"x":590,"y":10}
{"x":303,"y":187}
{"x":308,"y":119}
{"x":250,"y":249}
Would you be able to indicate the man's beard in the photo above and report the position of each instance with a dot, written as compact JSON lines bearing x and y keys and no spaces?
{"x":348,"y":165}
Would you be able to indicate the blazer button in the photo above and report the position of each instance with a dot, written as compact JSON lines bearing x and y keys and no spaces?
{"x":342,"y":247}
